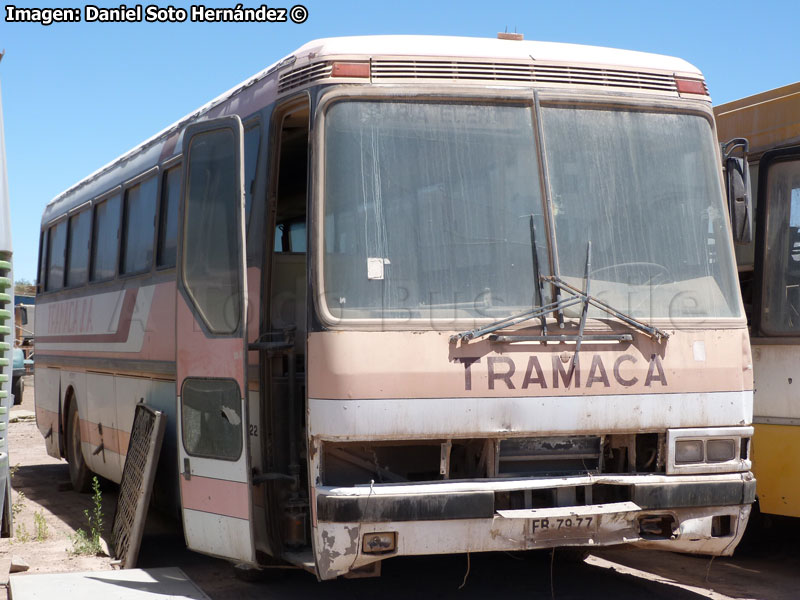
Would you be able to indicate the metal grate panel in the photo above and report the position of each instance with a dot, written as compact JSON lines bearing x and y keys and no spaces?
{"x":304,"y":75}
{"x":136,"y":486}
{"x":400,"y":71}
{"x":405,"y":70}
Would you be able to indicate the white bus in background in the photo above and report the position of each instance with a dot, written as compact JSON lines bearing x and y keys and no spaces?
{"x":6,"y":335}
{"x":413,"y":295}
{"x":769,"y":271}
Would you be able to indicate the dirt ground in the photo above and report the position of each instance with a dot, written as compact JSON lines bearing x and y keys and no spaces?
{"x":765,"y":569}
{"x":41,"y":486}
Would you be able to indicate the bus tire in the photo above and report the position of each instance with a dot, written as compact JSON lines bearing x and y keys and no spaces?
{"x":78,"y":471}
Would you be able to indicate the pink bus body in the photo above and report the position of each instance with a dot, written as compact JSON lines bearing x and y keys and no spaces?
{"x":337,"y":221}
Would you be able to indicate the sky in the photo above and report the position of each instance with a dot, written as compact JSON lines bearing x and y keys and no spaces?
{"x":77,"y":95}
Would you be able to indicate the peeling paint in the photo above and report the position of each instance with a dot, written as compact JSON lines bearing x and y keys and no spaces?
{"x":336,"y":547}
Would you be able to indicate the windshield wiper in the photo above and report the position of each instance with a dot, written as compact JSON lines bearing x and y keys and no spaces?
{"x":654,"y":332}
{"x":535,"y":313}
{"x":575,"y":296}
{"x":537,"y":272}
{"x":539,"y":312}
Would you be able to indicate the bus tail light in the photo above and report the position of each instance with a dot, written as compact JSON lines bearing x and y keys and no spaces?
{"x":691,"y":86}
{"x":350,"y":69}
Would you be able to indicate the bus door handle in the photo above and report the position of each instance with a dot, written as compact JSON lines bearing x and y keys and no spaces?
{"x":187,"y":470}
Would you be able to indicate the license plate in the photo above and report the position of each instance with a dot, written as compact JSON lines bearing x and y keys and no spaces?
{"x":564,"y":527}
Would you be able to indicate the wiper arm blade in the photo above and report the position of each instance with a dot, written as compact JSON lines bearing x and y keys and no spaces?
{"x":514,"y":319}
{"x":536,"y":274}
{"x":585,"y":309}
{"x":654,"y":332}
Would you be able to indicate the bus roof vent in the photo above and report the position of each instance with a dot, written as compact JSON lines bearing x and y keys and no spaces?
{"x":405,"y":71}
{"x":453,"y":70}
{"x":304,"y":75}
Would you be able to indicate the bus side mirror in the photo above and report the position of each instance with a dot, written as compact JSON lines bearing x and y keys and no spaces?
{"x":737,"y":185}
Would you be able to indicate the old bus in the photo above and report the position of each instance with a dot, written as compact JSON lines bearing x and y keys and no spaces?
{"x":413,"y":295}
{"x":769,"y":271}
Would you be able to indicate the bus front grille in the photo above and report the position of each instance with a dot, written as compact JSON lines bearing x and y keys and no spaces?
{"x":545,"y":456}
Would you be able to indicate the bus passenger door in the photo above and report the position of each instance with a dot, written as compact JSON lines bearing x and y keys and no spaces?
{"x":211,"y":353}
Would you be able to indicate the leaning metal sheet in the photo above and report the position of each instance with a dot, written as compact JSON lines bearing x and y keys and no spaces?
{"x":144,"y":448}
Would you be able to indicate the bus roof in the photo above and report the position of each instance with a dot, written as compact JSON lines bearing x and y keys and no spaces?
{"x":769,"y":119}
{"x":467,"y":47}
{"x":366,"y":48}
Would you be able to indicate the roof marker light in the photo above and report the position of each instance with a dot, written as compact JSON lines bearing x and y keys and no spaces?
{"x":691,"y":86}
{"x":515,"y":37}
{"x":344,"y":69}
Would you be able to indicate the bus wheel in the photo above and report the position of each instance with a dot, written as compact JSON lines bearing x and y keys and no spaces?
{"x":78,"y":471}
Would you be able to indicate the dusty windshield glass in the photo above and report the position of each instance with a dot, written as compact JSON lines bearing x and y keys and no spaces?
{"x":644,"y":188}
{"x":427,"y":210}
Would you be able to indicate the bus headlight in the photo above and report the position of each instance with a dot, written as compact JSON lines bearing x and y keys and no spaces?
{"x":708,"y":450}
{"x":689,"y":451}
{"x":720,"y":450}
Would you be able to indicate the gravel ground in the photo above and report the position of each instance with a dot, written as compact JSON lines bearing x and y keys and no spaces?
{"x":41,"y":493}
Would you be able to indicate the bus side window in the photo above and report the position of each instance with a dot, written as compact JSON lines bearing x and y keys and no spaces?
{"x":105,"y":234}
{"x":781,"y":293}
{"x":252,"y":139}
{"x":55,"y":256}
{"x":139,"y":227}
{"x":168,"y":225}
{"x":43,"y":246}
{"x":211,"y":271}
{"x":78,"y":252}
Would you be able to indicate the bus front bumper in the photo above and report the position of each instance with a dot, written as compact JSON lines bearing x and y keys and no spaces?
{"x":700,"y":514}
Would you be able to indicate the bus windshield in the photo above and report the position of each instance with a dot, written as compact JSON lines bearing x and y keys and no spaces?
{"x":428,"y":208}
{"x":644,"y":188}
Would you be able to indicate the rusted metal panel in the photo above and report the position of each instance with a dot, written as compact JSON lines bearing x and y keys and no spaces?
{"x":338,"y":551}
{"x":415,"y":418}
{"x":136,"y":486}
{"x":408,"y":507}
{"x":767,"y":120}
{"x":778,"y":386}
